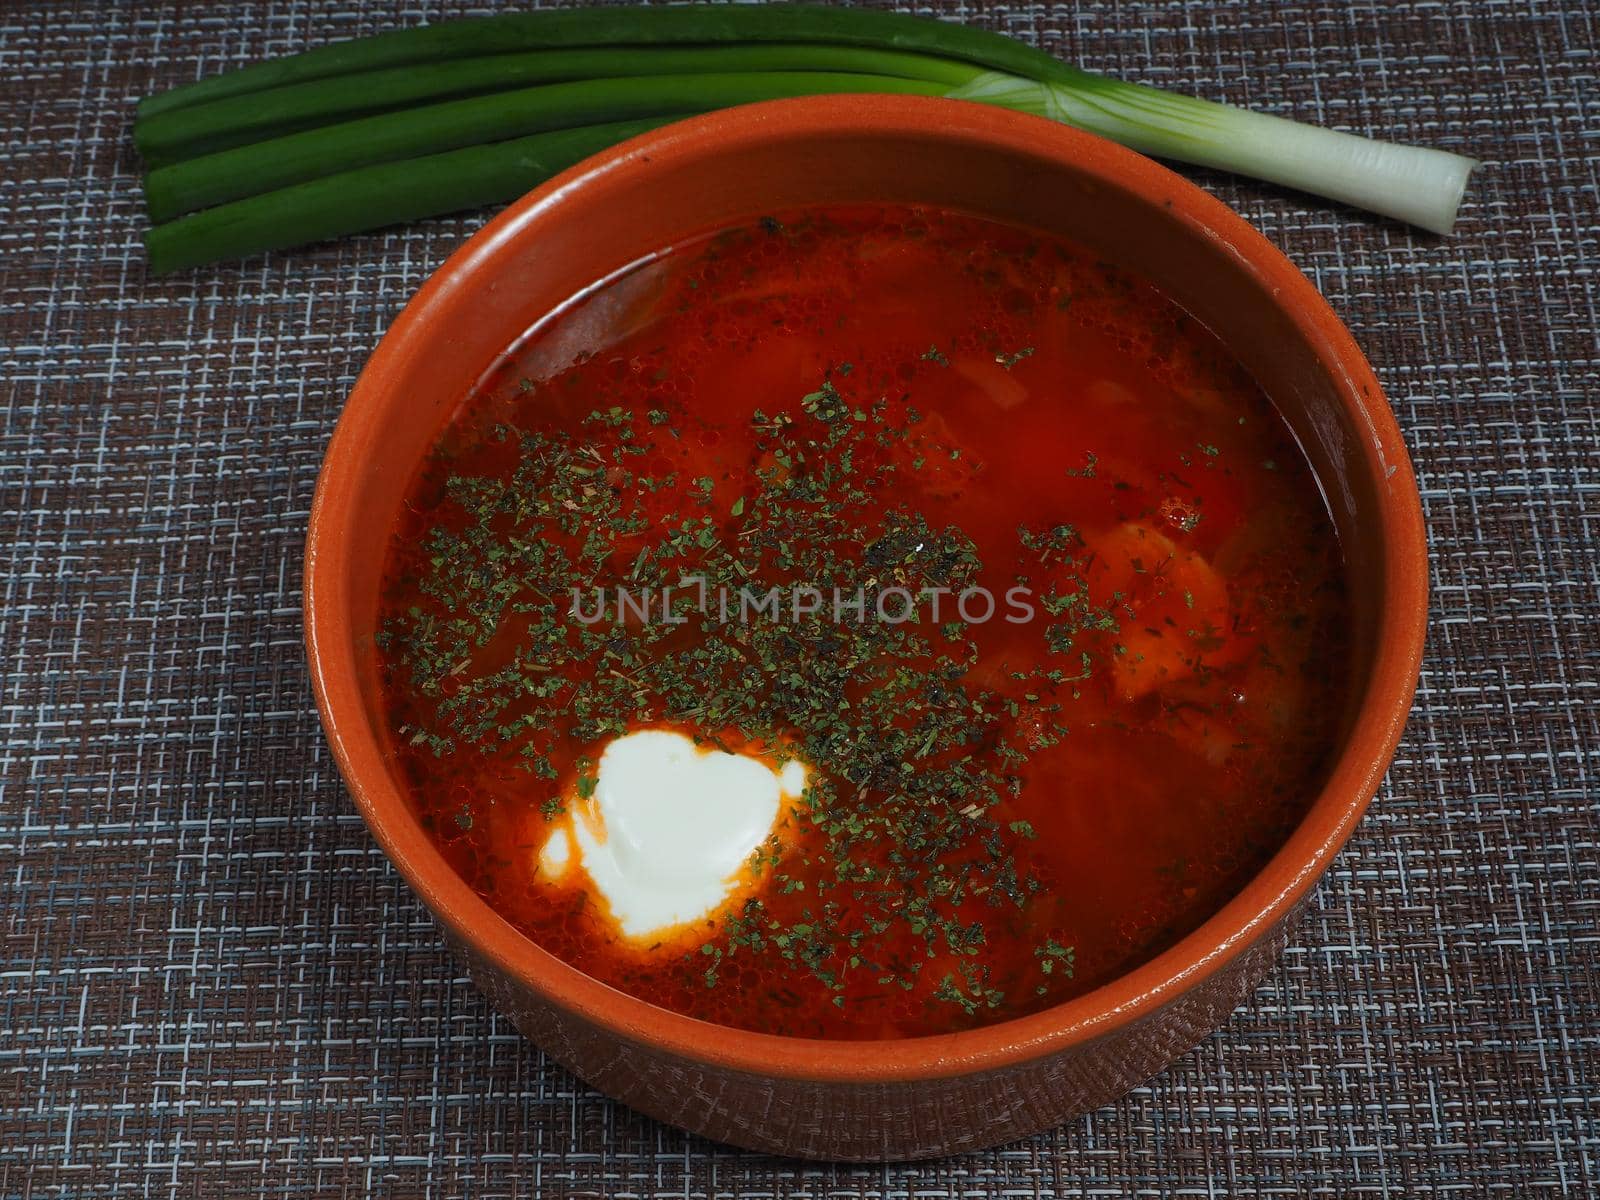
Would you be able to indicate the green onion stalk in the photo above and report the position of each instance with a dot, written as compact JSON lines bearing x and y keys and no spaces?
{"x":420,"y":122}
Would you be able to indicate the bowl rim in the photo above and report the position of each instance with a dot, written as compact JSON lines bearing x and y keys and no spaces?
{"x":1251,"y":914}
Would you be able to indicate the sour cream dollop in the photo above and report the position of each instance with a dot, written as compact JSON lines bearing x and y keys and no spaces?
{"x":667,"y":835}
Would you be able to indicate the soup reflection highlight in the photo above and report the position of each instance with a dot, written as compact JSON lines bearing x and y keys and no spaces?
{"x":866,"y":623}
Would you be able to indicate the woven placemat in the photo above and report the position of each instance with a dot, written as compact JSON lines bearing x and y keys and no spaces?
{"x":212,"y":983}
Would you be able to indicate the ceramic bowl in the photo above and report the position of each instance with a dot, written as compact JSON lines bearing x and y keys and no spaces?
{"x":915,"y":1097}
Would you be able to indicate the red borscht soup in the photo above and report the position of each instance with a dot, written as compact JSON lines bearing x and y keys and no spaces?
{"x":868,"y":622}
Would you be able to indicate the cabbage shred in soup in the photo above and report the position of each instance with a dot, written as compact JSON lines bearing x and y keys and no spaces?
{"x":865,"y":623}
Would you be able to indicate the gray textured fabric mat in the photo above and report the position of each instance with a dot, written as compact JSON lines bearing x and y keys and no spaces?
{"x":212,"y":984}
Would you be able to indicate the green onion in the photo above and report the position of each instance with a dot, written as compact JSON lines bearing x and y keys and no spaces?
{"x":299,"y":157}
{"x":205,"y":128}
{"x":386,"y":194}
{"x":706,"y":24}
{"x":1420,"y":186}
{"x":254,"y":141}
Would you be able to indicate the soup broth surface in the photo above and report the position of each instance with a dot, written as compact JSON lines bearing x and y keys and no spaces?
{"x":1058,"y":643}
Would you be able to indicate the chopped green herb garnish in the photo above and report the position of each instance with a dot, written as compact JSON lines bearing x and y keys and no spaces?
{"x":917,"y":757}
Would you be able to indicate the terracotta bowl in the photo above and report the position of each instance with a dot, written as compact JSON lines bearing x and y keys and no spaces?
{"x":915,"y":1097}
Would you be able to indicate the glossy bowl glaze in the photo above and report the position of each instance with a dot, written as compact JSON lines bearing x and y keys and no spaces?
{"x":915,"y":1097}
